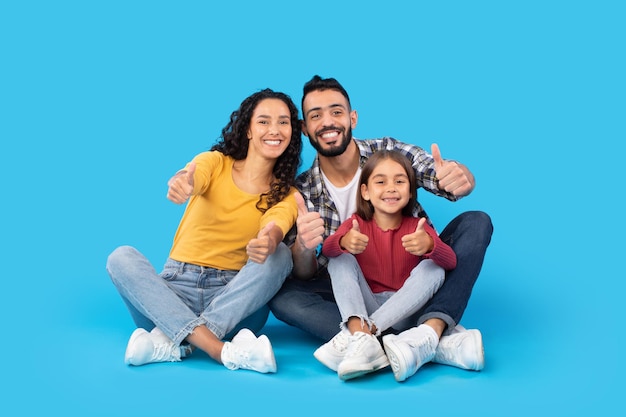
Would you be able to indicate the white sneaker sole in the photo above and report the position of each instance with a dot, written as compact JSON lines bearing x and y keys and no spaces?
{"x":397,"y":359}
{"x":346,"y":374}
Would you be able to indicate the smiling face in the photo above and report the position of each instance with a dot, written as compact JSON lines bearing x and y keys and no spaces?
{"x":328,"y":121}
{"x":388,"y":188}
{"x":270,"y":128}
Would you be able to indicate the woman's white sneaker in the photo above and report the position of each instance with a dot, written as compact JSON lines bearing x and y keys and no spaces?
{"x":150,"y":347}
{"x":245,"y":352}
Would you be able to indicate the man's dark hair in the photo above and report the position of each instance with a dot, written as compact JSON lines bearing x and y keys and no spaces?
{"x":318,"y":83}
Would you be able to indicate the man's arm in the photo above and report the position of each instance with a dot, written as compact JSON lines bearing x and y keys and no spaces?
{"x":310,"y":235}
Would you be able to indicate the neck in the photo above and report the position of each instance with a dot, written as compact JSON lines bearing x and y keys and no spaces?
{"x":341,"y":169}
{"x":387,"y":221}
{"x":253,"y":175}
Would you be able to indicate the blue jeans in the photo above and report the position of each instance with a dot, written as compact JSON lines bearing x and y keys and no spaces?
{"x":310,"y":305}
{"x":385,"y":309}
{"x":184,"y":296}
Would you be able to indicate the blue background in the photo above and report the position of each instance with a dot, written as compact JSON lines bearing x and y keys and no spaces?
{"x":102,"y":101}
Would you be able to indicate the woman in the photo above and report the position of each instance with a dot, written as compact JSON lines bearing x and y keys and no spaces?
{"x":227,"y":259}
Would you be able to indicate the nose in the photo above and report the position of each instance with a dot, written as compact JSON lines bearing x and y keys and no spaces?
{"x":274,"y":129}
{"x":327,"y":120}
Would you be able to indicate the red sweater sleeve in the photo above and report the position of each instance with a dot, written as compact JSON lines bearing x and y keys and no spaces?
{"x":442,"y":254}
{"x":331,"y":247}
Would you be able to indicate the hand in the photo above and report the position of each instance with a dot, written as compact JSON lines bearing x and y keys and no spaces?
{"x":310,"y":225}
{"x":453,"y":177}
{"x":181,"y":185}
{"x":354,"y":241}
{"x":259,"y":248}
{"x":418,"y":242}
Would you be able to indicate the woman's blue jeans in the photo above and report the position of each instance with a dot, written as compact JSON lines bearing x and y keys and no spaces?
{"x":184,"y":296}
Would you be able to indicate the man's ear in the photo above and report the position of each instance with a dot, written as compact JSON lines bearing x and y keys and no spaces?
{"x":354,"y":117}
{"x":304,"y":131}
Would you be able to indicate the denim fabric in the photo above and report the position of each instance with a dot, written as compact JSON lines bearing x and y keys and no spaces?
{"x":184,"y":296}
{"x":386,"y":309}
{"x":310,"y":306}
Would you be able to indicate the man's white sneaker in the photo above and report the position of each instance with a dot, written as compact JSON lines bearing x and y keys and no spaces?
{"x":409,"y":350}
{"x":332,"y":352}
{"x":364,"y":355}
{"x":462,"y":348}
{"x":149,"y":347}
{"x":245,"y":353}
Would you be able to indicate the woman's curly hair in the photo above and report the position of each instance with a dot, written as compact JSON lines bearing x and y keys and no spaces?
{"x":234,"y":142}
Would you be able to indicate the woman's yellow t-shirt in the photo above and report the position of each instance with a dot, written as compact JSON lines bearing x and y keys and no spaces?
{"x":220,"y":219}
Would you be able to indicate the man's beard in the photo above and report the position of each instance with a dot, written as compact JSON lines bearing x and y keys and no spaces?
{"x":334,"y":150}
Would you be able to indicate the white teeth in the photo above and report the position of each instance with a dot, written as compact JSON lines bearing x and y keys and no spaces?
{"x":273,"y":142}
{"x":329,"y":135}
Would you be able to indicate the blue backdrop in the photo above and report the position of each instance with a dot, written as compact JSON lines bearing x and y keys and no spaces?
{"x":102,"y":101}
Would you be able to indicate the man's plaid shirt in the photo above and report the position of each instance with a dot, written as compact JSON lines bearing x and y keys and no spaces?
{"x":316,"y":196}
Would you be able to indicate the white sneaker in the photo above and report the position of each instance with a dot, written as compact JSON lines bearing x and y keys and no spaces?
{"x":409,"y":350}
{"x":462,"y":348}
{"x":332,"y":352}
{"x":364,"y":355}
{"x":144,"y":347}
{"x":244,"y":335}
{"x":243,"y":352}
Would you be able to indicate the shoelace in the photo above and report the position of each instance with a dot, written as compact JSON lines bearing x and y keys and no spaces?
{"x":423,"y":347}
{"x":240,"y":357}
{"x":163,"y":352}
{"x":340,"y":342}
{"x":353,"y":348}
{"x":448,"y":346}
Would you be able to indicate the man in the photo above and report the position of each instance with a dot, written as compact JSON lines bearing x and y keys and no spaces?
{"x":329,"y":190}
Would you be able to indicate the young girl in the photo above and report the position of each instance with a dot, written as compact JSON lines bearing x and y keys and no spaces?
{"x":384,"y":265}
{"x":227,"y":259}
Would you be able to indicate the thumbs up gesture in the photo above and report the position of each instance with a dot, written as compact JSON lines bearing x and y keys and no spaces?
{"x":453,"y":177}
{"x":259,"y":248}
{"x":354,"y":241}
{"x":180,"y":186}
{"x":310,"y":225}
{"x":418,"y":242}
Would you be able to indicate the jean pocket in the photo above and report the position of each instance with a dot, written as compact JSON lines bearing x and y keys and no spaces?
{"x":169,"y":274}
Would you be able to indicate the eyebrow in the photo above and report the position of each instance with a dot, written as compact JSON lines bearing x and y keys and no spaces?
{"x":393,"y":176}
{"x":266,"y":116}
{"x":332,"y":106}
